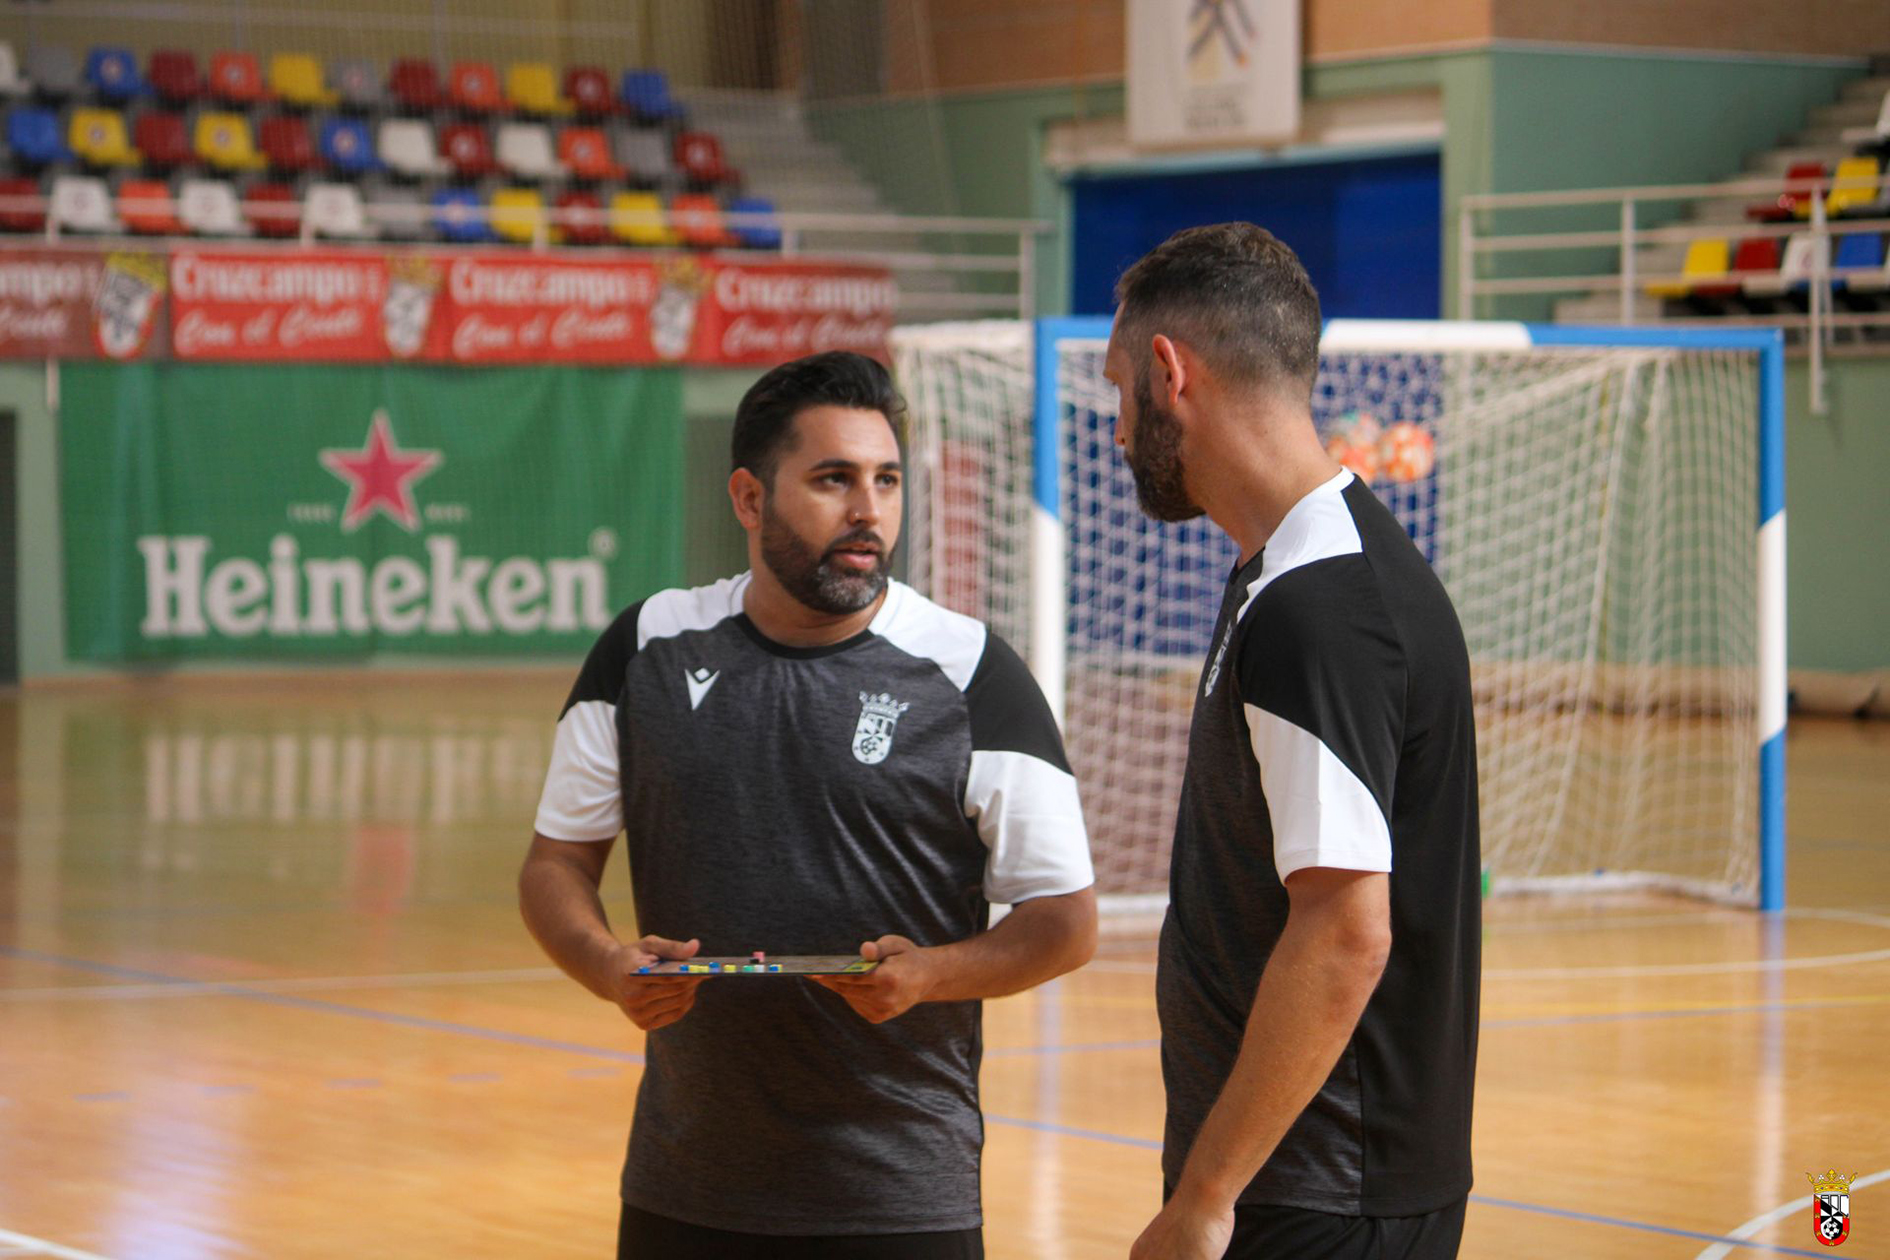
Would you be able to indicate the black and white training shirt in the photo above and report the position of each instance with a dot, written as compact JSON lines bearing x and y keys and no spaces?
{"x":1333,"y":728}
{"x":801,"y":801}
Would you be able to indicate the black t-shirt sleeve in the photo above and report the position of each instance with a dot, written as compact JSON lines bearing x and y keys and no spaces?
{"x":1008,"y":711}
{"x":602,"y":676}
{"x":582,"y":798}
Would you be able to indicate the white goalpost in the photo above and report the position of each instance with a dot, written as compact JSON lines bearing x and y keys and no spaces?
{"x":1605,"y":506}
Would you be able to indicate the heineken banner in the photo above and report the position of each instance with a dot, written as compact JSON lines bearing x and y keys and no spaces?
{"x":292,"y":512}
{"x":469,"y":307}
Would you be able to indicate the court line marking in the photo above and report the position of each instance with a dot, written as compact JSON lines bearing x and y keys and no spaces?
{"x":288,"y":984}
{"x":1719,"y":1250}
{"x":40,"y":1247}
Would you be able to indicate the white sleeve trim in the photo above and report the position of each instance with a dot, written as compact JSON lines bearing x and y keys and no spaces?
{"x":1030,"y":818}
{"x":583,"y":800}
{"x":1322,"y":815}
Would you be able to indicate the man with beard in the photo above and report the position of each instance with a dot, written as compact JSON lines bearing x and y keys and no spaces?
{"x":808,"y":759}
{"x":1317,"y":981}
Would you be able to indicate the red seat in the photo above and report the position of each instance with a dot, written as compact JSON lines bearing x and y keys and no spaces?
{"x":415,"y":84}
{"x":146,"y":207}
{"x":173,"y":75}
{"x":588,"y":88}
{"x":19,"y":219}
{"x":161,"y":138}
{"x":272,"y":210}
{"x":286,"y":143}
{"x":587,"y":153}
{"x":699,"y":219}
{"x":237,"y":77}
{"x":589,"y":231}
{"x":474,"y":87}
{"x":1793,"y":203}
{"x":699,"y":155}
{"x":467,"y":147}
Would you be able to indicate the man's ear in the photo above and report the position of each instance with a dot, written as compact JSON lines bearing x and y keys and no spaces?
{"x":1170,"y":371}
{"x":746,"y":493}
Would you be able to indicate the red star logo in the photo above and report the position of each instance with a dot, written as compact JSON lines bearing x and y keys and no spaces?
{"x":380,"y":477}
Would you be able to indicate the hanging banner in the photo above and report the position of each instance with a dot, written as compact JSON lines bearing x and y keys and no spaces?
{"x":1213,"y":73}
{"x":521,"y":308}
{"x":278,"y":307}
{"x":79,"y":304}
{"x":771,"y":313}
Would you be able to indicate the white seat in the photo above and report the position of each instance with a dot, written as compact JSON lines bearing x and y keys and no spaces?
{"x":81,"y":203}
{"x":1796,"y":267}
{"x":407,"y":147}
{"x":525,"y":150}
{"x":209,"y":207}
{"x":335,"y":210}
{"x":11,"y":84}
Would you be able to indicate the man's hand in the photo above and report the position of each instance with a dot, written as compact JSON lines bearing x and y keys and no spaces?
{"x":653,"y":1002}
{"x":903,"y":979}
{"x":1185,"y":1230}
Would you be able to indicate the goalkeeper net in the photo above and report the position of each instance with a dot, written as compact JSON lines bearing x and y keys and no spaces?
{"x":1589,"y":508}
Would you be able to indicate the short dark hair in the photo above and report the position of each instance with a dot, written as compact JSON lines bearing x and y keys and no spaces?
{"x":1233,"y":293}
{"x":764,"y":421}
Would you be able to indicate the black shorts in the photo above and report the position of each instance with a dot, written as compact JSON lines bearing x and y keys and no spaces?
{"x":646,"y":1236}
{"x":1283,"y":1233}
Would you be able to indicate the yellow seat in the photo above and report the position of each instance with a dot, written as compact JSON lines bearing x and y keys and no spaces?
{"x":517,"y":214}
{"x":225,"y":141}
{"x":1705,"y":261}
{"x":297,"y":79}
{"x":1853,"y":184}
{"x":98,"y":136}
{"x":637,"y":218}
{"x":532,"y":86}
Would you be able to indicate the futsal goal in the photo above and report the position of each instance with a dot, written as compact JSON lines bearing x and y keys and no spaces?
{"x":1605,"y":507}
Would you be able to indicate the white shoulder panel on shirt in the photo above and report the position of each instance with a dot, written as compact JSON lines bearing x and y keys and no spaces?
{"x":1318,"y":527}
{"x":667,"y":614}
{"x":915,"y":625}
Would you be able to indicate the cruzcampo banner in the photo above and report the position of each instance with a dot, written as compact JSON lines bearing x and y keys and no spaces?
{"x":290,"y":512}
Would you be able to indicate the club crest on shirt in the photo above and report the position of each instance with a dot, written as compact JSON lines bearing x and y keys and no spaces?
{"x":873,"y":737}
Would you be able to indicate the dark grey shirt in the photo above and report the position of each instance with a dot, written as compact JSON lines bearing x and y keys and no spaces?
{"x":1333,"y":728}
{"x":801,"y":801}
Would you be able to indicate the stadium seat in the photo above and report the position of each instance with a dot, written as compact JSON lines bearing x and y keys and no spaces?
{"x":399,"y":214}
{"x":113,"y":74}
{"x":465,"y":146}
{"x":236,"y":78}
{"x":12,"y":82}
{"x":584,"y":224}
{"x":458,"y":217}
{"x":33,"y":136}
{"x":1706,"y":264}
{"x":54,"y":72}
{"x":296,"y":79}
{"x":272,"y":210}
{"x":474,"y":87}
{"x":335,"y":210}
{"x":699,"y":156}
{"x":1755,"y":258}
{"x":20,"y":218}
{"x":286,"y":144}
{"x":1854,"y":188}
{"x":1856,"y":251}
{"x":644,"y":157}
{"x":588,"y":90}
{"x":646,"y":96}
{"x":147,"y":208}
{"x":81,"y":203}
{"x":525,"y":150}
{"x":587,"y":153}
{"x":162,"y":140}
{"x":1793,"y":203}
{"x":356,"y":83}
{"x":757,"y":233}
{"x":518,"y":214}
{"x":1874,"y":134}
{"x":637,"y":218}
{"x":407,"y":147}
{"x":532,"y":88}
{"x":346,"y":145}
{"x":415,"y":85}
{"x":1868,"y":289}
{"x":174,"y":77}
{"x":698,"y":220}
{"x":223,"y":140}
{"x":209,"y":207}
{"x":98,"y":137}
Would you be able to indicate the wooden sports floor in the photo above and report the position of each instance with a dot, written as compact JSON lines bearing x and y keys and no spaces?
{"x":264,"y":993}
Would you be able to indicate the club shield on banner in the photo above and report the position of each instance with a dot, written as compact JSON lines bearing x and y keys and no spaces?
{"x":80,"y":304}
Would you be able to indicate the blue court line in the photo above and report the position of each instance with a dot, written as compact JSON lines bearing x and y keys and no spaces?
{"x":1094,"y":1135}
{"x":1619,"y":1017}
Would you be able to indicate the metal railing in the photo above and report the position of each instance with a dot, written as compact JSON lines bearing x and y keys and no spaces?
{"x":1778,"y":208}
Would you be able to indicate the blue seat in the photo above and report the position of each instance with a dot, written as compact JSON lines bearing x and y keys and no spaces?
{"x":764,"y":235}
{"x":348,"y":147}
{"x":1864,"y":251}
{"x":33,"y":135}
{"x":113,"y":74}
{"x":459,"y":216}
{"x":646,"y":95}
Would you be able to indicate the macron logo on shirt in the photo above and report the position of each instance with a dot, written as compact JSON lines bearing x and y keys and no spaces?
{"x":699,"y":680}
